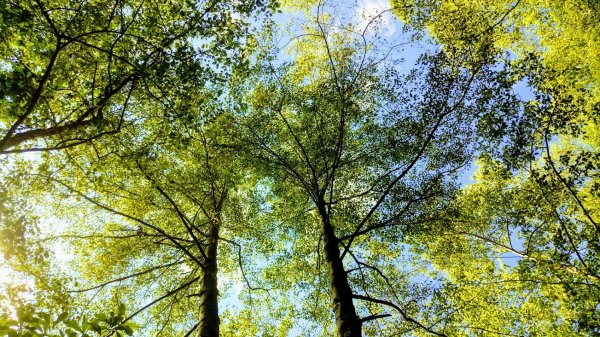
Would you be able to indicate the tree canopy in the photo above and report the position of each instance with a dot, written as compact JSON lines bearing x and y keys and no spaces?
{"x":252,"y":168}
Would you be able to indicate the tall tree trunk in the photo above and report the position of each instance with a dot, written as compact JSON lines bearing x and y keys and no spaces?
{"x":209,"y":293}
{"x":347,"y":322}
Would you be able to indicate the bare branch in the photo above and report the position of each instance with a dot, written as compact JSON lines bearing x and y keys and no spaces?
{"x":149,"y":270}
{"x":239,"y":247}
{"x":174,"y":291}
{"x":373,"y":317}
{"x":401,"y":311}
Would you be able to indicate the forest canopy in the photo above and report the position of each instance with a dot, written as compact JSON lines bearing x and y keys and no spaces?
{"x":314,"y":168}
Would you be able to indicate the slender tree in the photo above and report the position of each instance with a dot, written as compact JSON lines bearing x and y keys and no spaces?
{"x":373,"y":159}
{"x":163,"y":218}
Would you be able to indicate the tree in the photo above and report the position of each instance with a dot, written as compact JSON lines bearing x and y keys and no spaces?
{"x":532,"y":217}
{"x":536,"y":197}
{"x":164,"y":212}
{"x":329,"y":174}
{"x":565,"y":33}
{"x":547,"y":45}
{"x":48,"y":310}
{"x":69,"y":72}
{"x":344,"y":135}
{"x":118,"y":70}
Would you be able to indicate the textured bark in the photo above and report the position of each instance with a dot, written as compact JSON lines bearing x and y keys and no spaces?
{"x":347,"y":322}
{"x":208,"y":325}
{"x":12,"y":139}
{"x":25,"y":136}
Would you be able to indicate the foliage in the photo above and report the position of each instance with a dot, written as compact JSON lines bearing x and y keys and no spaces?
{"x":70,"y":71}
{"x":550,"y":45}
{"x":188,"y":169}
{"x":534,"y":197}
{"x":32,"y":323}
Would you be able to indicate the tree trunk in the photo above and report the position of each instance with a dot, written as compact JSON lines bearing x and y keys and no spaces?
{"x":209,"y":293}
{"x":347,"y":322}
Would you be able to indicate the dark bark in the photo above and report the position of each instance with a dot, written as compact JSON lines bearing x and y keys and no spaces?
{"x":41,"y":133}
{"x":347,"y":322}
{"x":209,"y":306}
{"x":12,"y":139}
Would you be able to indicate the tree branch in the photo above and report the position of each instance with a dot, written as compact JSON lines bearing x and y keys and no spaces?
{"x":130,"y":217}
{"x":174,"y":291}
{"x":182,"y":217}
{"x":373,"y":317}
{"x":149,"y":270}
{"x":399,"y":310}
